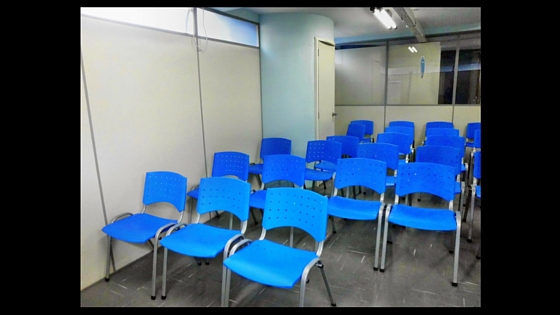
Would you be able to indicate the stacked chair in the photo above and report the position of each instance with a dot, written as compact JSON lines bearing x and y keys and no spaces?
{"x":369,"y":127}
{"x":271,"y":145}
{"x":225,"y":164}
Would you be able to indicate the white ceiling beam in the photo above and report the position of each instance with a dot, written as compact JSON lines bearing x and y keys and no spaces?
{"x":412,"y":24}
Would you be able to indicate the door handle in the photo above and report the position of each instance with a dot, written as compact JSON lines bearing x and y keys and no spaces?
{"x":334,"y":114}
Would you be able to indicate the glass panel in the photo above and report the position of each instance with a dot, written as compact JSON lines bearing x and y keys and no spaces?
{"x":413,"y":73}
{"x":222,"y":27}
{"x":172,"y":19}
{"x":360,"y":75}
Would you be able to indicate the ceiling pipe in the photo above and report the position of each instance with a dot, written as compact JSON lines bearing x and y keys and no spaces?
{"x":412,"y":24}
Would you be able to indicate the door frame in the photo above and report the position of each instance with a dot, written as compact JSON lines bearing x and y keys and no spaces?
{"x":317,"y":40}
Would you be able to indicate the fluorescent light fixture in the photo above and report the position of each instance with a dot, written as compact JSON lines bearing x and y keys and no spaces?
{"x":383,"y":16}
{"x":412,"y":49}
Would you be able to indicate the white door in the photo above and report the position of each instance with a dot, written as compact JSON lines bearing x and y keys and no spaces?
{"x":324,"y":88}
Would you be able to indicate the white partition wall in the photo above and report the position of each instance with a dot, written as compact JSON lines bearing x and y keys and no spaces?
{"x":141,"y":91}
{"x":231,"y":95}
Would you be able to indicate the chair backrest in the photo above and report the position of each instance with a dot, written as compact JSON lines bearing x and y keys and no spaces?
{"x":442,"y":131}
{"x":356,"y":130}
{"x":471,"y":128}
{"x":367,"y":123}
{"x":323,"y":150}
{"x":231,"y":163}
{"x":426,"y":177}
{"x":402,"y":140}
{"x":401,"y":129}
{"x":165,"y":186}
{"x":285,"y":167}
{"x":441,"y":154}
{"x":404,"y":123}
{"x":364,"y":172}
{"x":451,"y":141}
{"x":224,"y":193}
{"x":349,"y":144}
{"x":477,"y":138}
{"x":439,"y":124}
{"x":386,"y":152}
{"x":275,"y":146}
{"x":292,"y":207}
{"x":477,"y":168}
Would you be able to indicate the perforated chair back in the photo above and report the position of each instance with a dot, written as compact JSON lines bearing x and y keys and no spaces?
{"x":451,"y":141}
{"x":231,"y":163}
{"x":402,"y":140}
{"x":439,"y":124}
{"x":165,"y":186}
{"x":405,"y":123}
{"x":364,"y":172}
{"x":275,"y":146}
{"x":386,"y":152}
{"x":287,"y":167}
{"x":224,"y":194}
{"x":368,"y":123}
{"x":477,"y":139}
{"x":349,"y":144}
{"x":426,"y":177}
{"x":356,"y":130}
{"x":477,"y":168}
{"x":304,"y":209}
{"x":441,"y":154}
{"x":323,"y":150}
{"x":471,"y":128}
{"x":401,"y":129}
{"x":442,"y":131}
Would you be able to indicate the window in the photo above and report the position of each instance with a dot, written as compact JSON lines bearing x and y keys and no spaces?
{"x":210,"y":24}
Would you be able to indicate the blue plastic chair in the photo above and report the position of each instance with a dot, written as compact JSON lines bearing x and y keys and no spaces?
{"x":442,"y":131}
{"x":437,"y":124}
{"x":280,"y":170}
{"x":349,"y":145}
{"x":402,"y":140}
{"x":386,"y":152}
{"x":202,"y":240}
{"x":405,"y":123}
{"x":448,"y":156}
{"x":357,"y":130}
{"x":362,"y":172}
{"x":476,"y":146}
{"x":431,"y":178}
{"x":271,"y":145}
{"x":369,"y":124}
{"x":470,"y":131}
{"x":476,"y":191}
{"x":321,"y":152}
{"x":404,"y":129}
{"x":226,"y":163}
{"x":141,"y":228}
{"x":451,"y":141}
{"x":272,"y":263}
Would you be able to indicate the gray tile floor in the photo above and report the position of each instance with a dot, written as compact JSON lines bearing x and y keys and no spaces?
{"x":418,"y":272}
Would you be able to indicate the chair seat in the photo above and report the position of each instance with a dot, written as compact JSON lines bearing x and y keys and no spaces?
{"x":469,"y":144}
{"x":391,"y":181}
{"x":423,"y":218}
{"x":479,"y":191}
{"x":257,"y":199}
{"x":193,"y":193}
{"x":138,"y":228}
{"x":199,"y":240}
{"x":256,"y":169}
{"x":264,"y":261}
{"x":326,"y":166}
{"x":318,"y":175}
{"x":353,"y":209}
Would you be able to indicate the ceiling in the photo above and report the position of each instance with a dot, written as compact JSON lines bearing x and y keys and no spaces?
{"x":353,"y":24}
